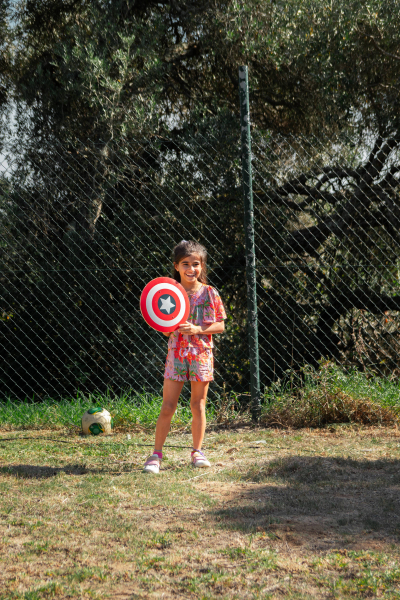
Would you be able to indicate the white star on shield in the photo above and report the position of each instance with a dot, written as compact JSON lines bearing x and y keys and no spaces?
{"x":166,"y":304}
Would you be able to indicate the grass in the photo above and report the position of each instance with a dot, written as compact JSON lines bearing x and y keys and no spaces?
{"x":310,"y":513}
{"x":330,"y":396}
{"x":129,"y":410}
{"x":326,"y":396}
{"x":300,"y":512}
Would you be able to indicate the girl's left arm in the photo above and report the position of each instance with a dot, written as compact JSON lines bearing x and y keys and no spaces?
{"x":191,"y":329}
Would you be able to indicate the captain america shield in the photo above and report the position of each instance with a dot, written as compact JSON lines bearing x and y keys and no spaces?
{"x":164,"y":304}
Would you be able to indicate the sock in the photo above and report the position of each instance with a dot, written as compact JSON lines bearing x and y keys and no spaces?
{"x":195,"y":450}
{"x":159,"y":454}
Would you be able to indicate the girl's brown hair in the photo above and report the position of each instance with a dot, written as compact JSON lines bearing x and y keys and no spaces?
{"x":184,"y":249}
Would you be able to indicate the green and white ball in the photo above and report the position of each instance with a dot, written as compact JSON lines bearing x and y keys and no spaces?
{"x":97,"y":421}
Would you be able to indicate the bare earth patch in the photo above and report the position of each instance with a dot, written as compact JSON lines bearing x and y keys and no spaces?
{"x":299,"y":514}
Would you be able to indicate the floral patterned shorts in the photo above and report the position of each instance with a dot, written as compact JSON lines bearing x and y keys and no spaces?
{"x":189,"y":364}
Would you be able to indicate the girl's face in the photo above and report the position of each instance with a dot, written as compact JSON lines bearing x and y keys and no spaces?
{"x":189,"y":268}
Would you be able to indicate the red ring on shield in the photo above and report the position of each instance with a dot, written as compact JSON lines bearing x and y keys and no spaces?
{"x":169,"y":298}
{"x":164,"y":304}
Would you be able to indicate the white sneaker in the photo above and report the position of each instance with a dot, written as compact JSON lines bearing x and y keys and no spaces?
{"x":199,"y":460}
{"x":152,"y":464}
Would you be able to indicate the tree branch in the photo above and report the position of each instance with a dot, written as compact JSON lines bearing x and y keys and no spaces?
{"x":381,"y":50}
{"x":182,"y":51}
{"x":377,"y":158}
{"x":361,"y":299}
{"x":309,"y":239}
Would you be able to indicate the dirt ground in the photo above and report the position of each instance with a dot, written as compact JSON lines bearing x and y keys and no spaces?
{"x":295,"y":514}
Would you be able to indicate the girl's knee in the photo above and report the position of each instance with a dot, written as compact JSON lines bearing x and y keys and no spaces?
{"x":168,"y":409}
{"x":198,"y":406}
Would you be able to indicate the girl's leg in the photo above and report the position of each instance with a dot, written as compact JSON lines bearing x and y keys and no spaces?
{"x":198,"y":406}
{"x":171,"y":392}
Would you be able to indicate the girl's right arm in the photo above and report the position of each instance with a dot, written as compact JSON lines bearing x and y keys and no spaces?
{"x":167,"y":333}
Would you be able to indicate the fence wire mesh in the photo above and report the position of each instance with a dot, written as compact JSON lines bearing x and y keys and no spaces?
{"x":327,"y":219}
{"x":84,"y":226}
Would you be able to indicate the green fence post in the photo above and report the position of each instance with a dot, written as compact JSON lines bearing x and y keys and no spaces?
{"x":252,"y":321}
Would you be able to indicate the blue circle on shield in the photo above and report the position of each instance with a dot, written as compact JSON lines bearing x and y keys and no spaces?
{"x":166,"y":304}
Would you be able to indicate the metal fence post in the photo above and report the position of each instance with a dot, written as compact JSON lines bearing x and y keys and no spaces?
{"x":250,"y":248}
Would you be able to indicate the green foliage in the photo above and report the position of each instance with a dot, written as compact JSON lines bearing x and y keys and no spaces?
{"x":90,"y":64}
{"x":319,"y":63}
{"x":108,"y":69}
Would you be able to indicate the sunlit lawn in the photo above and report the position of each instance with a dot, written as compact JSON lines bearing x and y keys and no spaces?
{"x":297,"y":514}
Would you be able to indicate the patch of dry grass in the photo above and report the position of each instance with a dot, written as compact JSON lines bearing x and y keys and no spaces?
{"x":318,"y":407}
{"x":297,"y":514}
{"x":328,"y":396}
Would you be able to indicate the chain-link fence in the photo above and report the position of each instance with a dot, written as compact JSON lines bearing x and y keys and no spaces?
{"x":327,"y":224}
{"x":83,"y":229}
{"x":84,"y":226}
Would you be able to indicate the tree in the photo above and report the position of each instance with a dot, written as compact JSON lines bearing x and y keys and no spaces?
{"x":98,"y":68}
{"x":127,"y":140}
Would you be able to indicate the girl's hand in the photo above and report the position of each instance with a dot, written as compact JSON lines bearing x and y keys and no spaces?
{"x":189,"y":329}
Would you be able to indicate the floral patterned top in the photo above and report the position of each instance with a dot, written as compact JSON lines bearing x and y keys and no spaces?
{"x":205,"y":308}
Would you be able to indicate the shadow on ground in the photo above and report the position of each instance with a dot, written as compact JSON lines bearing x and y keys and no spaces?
{"x":319,"y":501}
{"x":42,"y":472}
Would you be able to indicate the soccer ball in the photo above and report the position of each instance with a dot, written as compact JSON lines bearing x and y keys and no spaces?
{"x":97,"y":420}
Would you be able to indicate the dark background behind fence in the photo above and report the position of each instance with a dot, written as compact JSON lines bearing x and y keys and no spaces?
{"x":120,"y":135}
{"x":85,"y":226}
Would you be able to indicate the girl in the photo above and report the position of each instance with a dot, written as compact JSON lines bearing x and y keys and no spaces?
{"x":190,"y":356}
